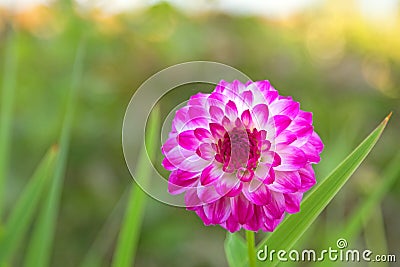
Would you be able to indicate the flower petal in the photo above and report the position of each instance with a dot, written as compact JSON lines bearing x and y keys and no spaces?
{"x":286,"y":107}
{"x":256,"y":192}
{"x":242,"y":209}
{"x":216,"y":113}
{"x":231,"y":110}
{"x":228,"y":185}
{"x":281,"y":122}
{"x":188,"y":140}
{"x":260,"y":115}
{"x":202,"y":134}
{"x":218,"y":211}
{"x":217,"y":130}
{"x":292,"y":158}
{"x":292,"y":202}
{"x":181,"y":181}
{"x":211,"y":174}
{"x":206,"y":151}
{"x":286,"y":182}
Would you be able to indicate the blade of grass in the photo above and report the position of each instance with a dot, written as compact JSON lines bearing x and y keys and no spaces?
{"x":105,"y":238}
{"x":124,"y":254}
{"x":235,"y":250}
{"x":375,"y":237}
{"x":39,"y":249}
{"x":293,"y":227}
{"x":23,"y":211}
{"x":6,"y":105}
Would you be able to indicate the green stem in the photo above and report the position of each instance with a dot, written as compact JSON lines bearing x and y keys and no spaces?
{"x":251,"y":248}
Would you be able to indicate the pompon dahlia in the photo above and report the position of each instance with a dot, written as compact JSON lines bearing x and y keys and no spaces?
{"x":242,"y":155}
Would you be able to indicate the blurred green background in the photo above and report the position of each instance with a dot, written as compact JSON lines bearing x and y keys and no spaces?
{"x":339,"y":59}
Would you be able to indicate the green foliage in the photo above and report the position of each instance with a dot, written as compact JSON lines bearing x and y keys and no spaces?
{"x":235,"y":250}
{"x":124,"y":254}
{"x":293,"y":227}
{"x":23,"y":212}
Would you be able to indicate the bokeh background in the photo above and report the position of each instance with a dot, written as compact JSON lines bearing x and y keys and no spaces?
{"x":340,"y":59}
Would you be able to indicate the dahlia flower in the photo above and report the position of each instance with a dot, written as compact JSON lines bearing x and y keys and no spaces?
{"x":242,"y":155}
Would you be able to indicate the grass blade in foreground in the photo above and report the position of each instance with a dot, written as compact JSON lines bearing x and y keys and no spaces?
{"x":293,"y":227}
{"x":6,"y":105}
{"x":235,"y":250}
{"x":40,"y":247}
{"x":124,"y":254}
{"x":22,"y":214}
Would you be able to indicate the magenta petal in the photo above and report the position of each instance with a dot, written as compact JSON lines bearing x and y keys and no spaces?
{"x":216,"y":113}
{"x":247,"y":98}
{"x":257,"y":192}
{"x":307,"y":177}
{"x":197,"y":112}
{"x":292,"y":202}
{"x":193,"y":164}
{"x":211,"y":174}
{"x":242,"y":209}
{"x":281,"y":122}
{"x":168,"y":165}
{"x":277,"y":205}
{"x":218,"y":211}
{"x":292,"y":158}
{"x":202,"y":134}
{"x":207,"y":194}
{"x":231,"y":224}
{"x":307,"y":116}
{"x":188,"y":140}
{"x":179,"y":183}
{"x":285,"y":107}
{"x":180,"y":119}
{"x":228,"y":185}
{"x":200,"y":212}
{"x":217,"y":130}
{"x":256,"y":221}
{"x":192,"y":200}
{"x":315,"y":140}
{"x":206,"y":151}
{"x":231,"y":110}
{"x":245,"y":175}
{"x":246,"y":119}
{"x":286,"y":182}
{"x":260,"y":114}
{"x":285,"y":137}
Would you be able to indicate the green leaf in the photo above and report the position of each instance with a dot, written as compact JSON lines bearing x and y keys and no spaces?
{"x":6,"y":105}
{"x":23,"y":211}
{"x":39,"y":249}
{"x":124,"y":254}
{"x":105,"y":238}
{"x":235,"y":250}
{"x":293,"y":227}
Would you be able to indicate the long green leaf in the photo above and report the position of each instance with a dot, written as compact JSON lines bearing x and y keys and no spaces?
{"x":6,"y":105}
{"x":105,"y":238}
{"x":39,"y":249}
{"x":235,"y":250}
{"x":23,"y":211}
{"x":128,"y":237}
{"x":293,"y":227}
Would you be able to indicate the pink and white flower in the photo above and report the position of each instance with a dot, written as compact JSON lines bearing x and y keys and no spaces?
{"x":242,"y":155}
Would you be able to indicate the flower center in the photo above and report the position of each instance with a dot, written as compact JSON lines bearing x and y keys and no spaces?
{"x":239,"y":149}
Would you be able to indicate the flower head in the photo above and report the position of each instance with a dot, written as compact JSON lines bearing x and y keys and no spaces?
{"x":242,"y":155}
